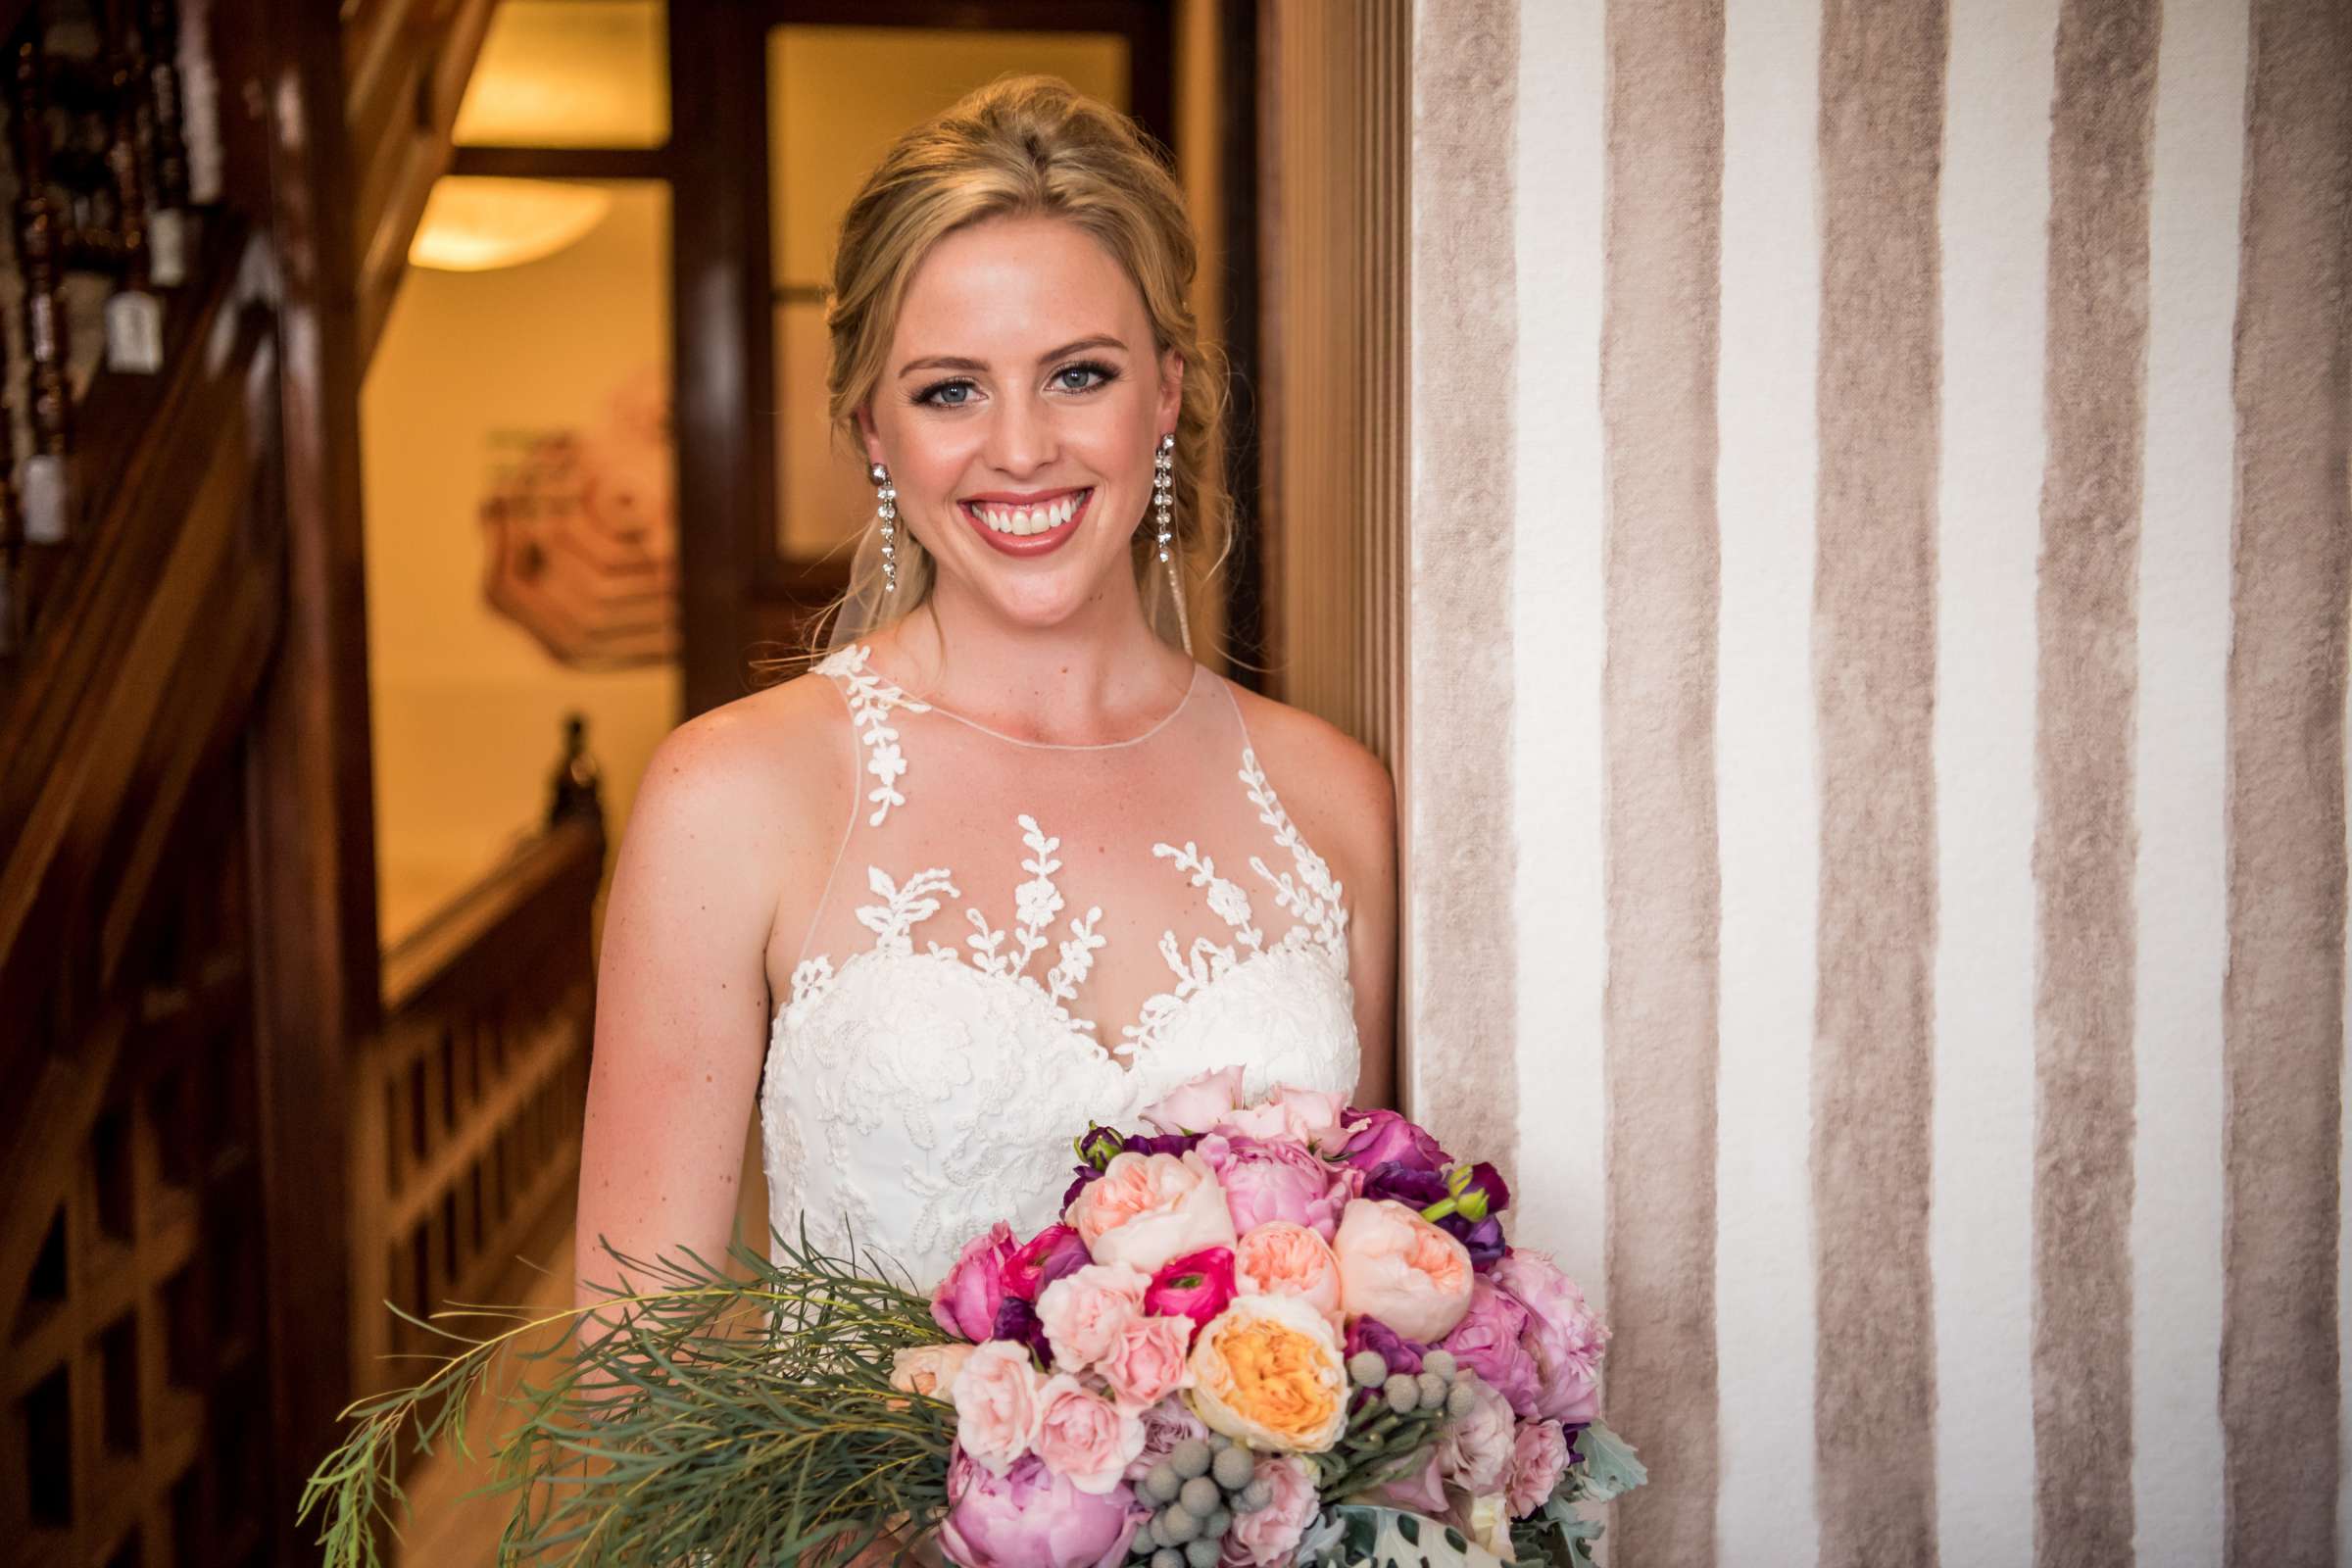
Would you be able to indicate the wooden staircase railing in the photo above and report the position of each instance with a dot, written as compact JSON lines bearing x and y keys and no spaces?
{"x":466,"y":1112}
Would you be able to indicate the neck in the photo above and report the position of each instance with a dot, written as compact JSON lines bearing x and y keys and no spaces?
{"x":1096,"y":676}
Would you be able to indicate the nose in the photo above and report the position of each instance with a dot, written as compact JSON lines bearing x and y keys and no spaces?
{"x":1021,"y":438}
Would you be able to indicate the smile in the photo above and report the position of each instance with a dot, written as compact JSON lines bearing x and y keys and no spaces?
{"x":1030,"y":526}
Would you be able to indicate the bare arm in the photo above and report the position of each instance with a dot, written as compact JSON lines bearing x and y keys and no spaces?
{"x":1371,"y":835}
{"x":682,"y":996}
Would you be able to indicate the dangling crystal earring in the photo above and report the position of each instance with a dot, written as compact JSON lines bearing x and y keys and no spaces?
{"x":886,"y":512}
{"x":1163,"y":506}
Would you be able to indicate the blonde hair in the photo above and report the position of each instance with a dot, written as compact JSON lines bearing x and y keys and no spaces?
{"x":1027,"y":147}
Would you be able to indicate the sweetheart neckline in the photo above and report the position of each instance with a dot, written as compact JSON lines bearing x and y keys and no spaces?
{"x":1065,"y":1028}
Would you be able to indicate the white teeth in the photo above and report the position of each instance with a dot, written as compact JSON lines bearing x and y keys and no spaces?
{"x":1043,"y":518}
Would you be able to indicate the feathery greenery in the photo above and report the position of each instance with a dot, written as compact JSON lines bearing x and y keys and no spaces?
{"x":725,"y":1420}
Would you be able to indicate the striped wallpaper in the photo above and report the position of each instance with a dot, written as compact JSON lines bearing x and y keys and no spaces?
{"x":1903,"y":812}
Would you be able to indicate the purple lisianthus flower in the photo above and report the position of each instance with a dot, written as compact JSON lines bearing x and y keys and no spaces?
{"x":1017,"y":1321}
{"x":1371,"y":1334}
{"x":1381,"y":1137}
{"x":1482,"y":1239}
{"x":1164,"y":1143}
{"x":1488,"y":1341}
{"x":1486,"y":1179}
{"x":1029,"y":1517}
{"x":1405,"y":1184}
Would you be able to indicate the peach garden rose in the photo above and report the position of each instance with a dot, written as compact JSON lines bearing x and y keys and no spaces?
{"x":1147,"y":1208}
{"x":1267,"y":1372}
{"x":1399,"y":1268}
{"x":1280,"y":1258}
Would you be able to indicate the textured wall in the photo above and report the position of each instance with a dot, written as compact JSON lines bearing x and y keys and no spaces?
{"x":1905,"y":819}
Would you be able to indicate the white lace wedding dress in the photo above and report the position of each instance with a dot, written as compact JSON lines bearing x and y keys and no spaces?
{"x":1020,"y":938}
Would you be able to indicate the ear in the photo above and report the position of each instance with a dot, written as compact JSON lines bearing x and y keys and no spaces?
{"x":1171,"y":388}
{"x":865,"y":416}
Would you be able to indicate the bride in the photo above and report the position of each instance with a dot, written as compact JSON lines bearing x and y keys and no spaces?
{"x":1007,"y":859}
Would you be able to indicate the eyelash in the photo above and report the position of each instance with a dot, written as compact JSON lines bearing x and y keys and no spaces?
{"x":1103,"y":375}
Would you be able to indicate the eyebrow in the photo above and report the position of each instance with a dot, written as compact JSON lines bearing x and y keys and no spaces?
{"x":946,"y":362}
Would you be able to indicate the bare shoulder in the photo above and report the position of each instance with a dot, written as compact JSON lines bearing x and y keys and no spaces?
{"x":1338,"y":793}
{"x":744,"y":805}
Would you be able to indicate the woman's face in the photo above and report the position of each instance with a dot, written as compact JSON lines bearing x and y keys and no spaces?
{"x":1018,"y":412}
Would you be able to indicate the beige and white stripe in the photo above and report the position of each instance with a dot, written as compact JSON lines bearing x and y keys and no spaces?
{"x":1917,"y":436}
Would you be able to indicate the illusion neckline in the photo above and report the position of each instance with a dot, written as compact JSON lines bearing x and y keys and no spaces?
{"x":861,"y":655}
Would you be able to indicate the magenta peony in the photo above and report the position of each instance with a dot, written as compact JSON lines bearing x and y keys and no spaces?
{"x":1197,"y":1286}
{"x":1562,"y":1335}
{"x":1488,"y":1341}
{"x":1267,"y":1181}
{"x":965,"y":1302}
{"x":1032,"y":1518}
{"x":1041,"y":1259}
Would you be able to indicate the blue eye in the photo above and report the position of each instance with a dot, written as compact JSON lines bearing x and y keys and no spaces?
{"x":1091,"y":373}
{"x":946,"y":394}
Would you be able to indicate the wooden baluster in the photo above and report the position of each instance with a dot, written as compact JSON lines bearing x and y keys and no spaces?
{"x":46,"y":480}
{"x":167,"y":236}
{"x":134,"y":316}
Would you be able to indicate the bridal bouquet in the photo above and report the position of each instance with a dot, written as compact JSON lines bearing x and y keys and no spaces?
{"x":1286,"y":1334}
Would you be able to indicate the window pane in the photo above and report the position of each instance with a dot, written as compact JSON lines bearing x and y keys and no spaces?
{"x":571,"y":73}
{"x":824,"y":498}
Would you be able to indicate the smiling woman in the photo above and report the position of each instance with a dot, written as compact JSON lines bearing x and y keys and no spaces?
{"x":1007,"y":859}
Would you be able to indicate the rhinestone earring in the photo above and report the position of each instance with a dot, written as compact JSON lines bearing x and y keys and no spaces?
{"x":886,"y":512}
{"x":1163,"y":507}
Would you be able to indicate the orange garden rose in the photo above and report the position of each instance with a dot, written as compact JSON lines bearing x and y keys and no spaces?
{"x":1267,"y":1371}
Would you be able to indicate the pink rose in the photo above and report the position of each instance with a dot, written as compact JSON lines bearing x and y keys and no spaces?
{"x":1197,"y":1285}
{"x":1032,"y":1518}
{"x":1538,"y":1458}
{"x":1280,"y":1258}
{"x":1267,"y":1181}
{"x":1148,"y":1364}
{"x":1269,"y":1536}
{"x":1041,"y":1259}
{"x":1475,"y":1452}
{"x":1147,"y":1208}
{"x":1198,"y":1104}
{"x":965,"y":1302}
{"x":1562,"y":1335}
{"x":1308,"y":1117}
{"x":1083,"y":1436}
{"x":1165,"y":1425}
{"x":1399,"y":1268}
{"x":996,"y":1404}
{"x":1487,"y":1340}
{"x":1083,"y":1312}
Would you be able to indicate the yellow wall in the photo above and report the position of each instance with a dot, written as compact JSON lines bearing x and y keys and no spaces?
{"x":467,"y":708}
